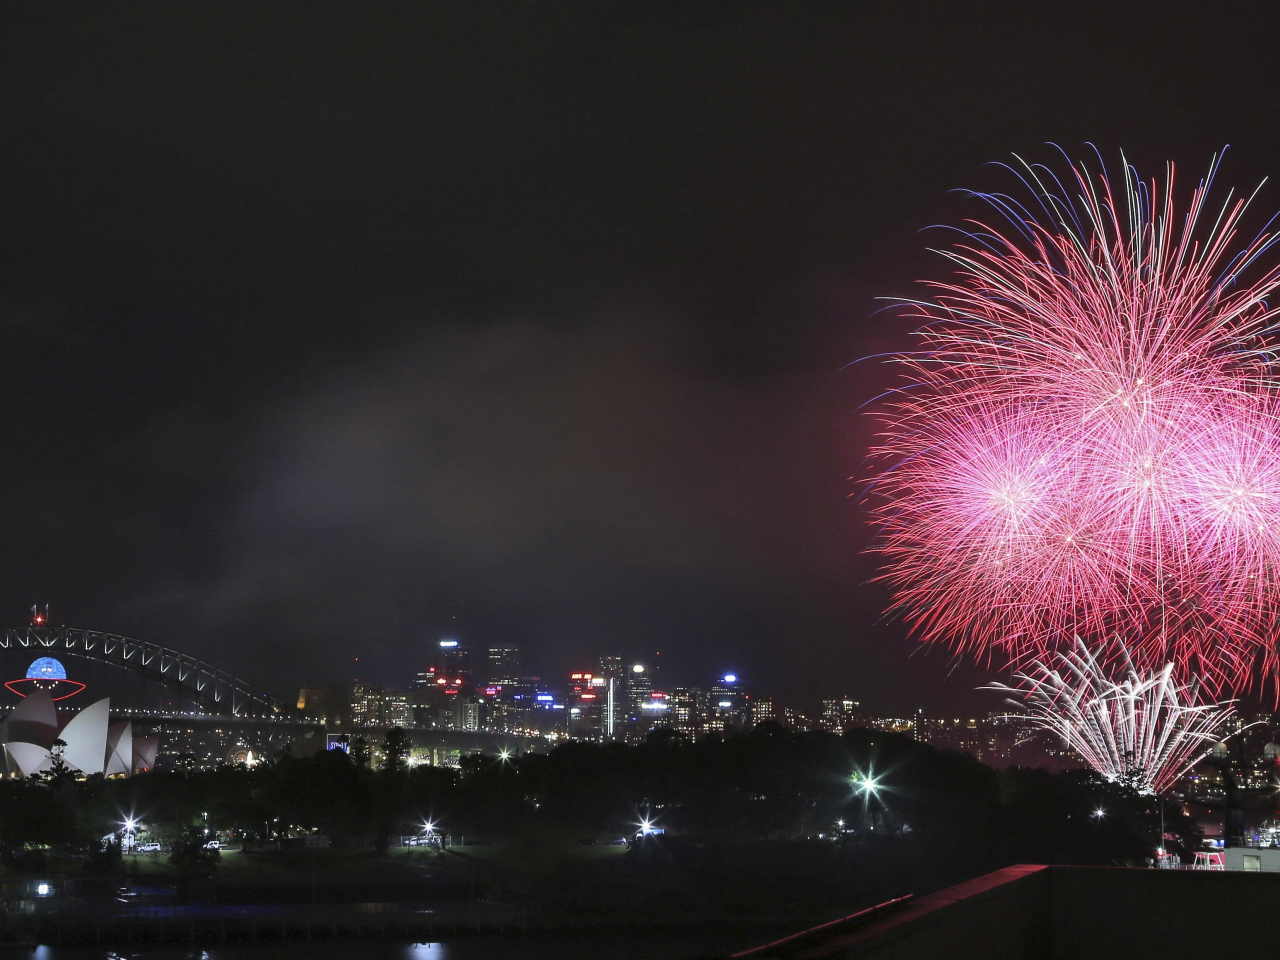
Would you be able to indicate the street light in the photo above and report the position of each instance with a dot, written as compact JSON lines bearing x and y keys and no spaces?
{"x":648,"y":828}
{"x":866,"y":784}
{"x":869,"y":786}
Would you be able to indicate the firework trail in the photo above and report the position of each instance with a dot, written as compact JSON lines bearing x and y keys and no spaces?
{"x":1145,"y":731}
{"x":1087,"y":441}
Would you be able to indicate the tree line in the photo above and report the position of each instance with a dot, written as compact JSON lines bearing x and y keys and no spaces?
{"x":767,"y":785}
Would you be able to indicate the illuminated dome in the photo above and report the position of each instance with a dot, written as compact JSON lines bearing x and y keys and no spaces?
{"x":46,"y":668}
{"x":46,"y":674}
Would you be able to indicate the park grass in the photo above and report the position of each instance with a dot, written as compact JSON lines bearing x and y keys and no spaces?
{"x":292,"y":866}
{"x":541,"y":853}
{"x":545,"y":858}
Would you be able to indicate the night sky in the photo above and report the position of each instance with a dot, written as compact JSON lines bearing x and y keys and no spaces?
{"x":330,"y":330}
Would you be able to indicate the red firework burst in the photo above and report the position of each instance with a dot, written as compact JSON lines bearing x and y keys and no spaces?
{"x":1088,"y":440}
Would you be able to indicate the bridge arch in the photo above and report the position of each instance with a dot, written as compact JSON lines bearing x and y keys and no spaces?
{"x":207,"y":688}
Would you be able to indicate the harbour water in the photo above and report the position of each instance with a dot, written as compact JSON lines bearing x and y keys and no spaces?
{"x":681,"y":944}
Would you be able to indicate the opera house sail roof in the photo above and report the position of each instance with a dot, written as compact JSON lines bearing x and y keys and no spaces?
{"x":32,"y":735}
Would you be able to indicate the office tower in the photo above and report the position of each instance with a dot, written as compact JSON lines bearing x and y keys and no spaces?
{"x":452,"y":661}
{"x":639,"y":687}
{"x":395,"y":709}
{"x":610,"y":721}
{"x":460,"y":713}
{"x":689,"y":710}
{"x":728,"y":704}
{"x":365,"y":701}
{"x":616,"y":704}
{"x":505,"y":664}
{"x":766,"y":708}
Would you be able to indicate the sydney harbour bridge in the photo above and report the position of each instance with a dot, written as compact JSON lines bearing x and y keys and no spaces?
{"x":200,"y":713}
{"x":198,"y":710}
{"x":140,"y":677}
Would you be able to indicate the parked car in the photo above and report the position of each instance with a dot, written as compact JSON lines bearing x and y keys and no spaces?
{"x":149,"y":847}
{"x":619,"y":842}
{"x":213,"y":845}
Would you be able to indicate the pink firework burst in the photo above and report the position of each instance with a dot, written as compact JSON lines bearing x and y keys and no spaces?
{"x":1087,"y":441}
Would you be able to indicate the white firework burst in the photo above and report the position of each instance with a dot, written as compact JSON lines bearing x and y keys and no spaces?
{"x":1145,"y":730}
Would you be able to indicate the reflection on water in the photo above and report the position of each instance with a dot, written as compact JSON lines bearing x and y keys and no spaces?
{"x":616,"y":945}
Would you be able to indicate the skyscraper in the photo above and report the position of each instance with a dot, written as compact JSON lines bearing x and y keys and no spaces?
{"x":616,"y":703}
{"x":395,"y":710}
{"x":727,"y":705}
{"x":452,"y":661}
{"x":505,"y":664}
{"x":639,"y":686}
{"x":365,"y":701}
{"x":689,"y":710}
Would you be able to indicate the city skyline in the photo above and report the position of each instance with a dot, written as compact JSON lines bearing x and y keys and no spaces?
{"x":393,"y":676}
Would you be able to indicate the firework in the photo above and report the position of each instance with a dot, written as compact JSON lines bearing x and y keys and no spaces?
{"x":1087,"y":441}
{"x":1145,"y":731}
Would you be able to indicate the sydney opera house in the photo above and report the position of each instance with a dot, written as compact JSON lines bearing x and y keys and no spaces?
{"x":37,"y":735}
{"x":149,"y":705}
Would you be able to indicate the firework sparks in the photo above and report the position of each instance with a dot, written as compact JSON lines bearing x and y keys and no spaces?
{"x":1088,"y":440}
{"x":1145,"y":731}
